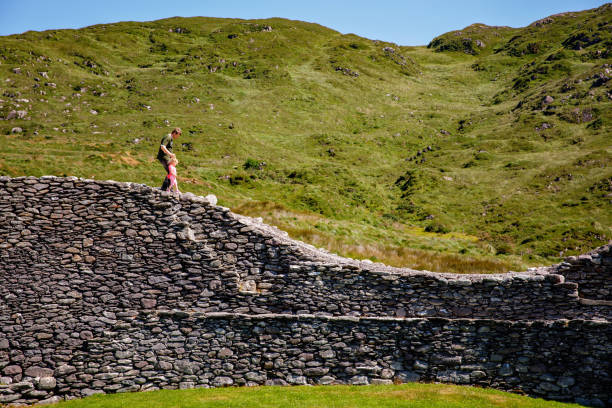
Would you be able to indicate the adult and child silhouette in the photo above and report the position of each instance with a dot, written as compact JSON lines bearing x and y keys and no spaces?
{"x":168,"y":159}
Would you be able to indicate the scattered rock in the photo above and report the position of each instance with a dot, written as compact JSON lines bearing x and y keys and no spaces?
{"x":542,"y":22}
{"x":547,"y":100}
{"x":601,"y":78}
{"x":211,"y":198}
{"x":347,"y":71}
{"x":16,"y":114}
{"x":578,"y":115}
{"x":543,"y":126}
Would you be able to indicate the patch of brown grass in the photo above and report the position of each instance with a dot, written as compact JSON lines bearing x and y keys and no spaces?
{"x":285,"y":219}
{"x":274,"y":212}
{"x":124,"y":158}
{"x":194,"y":181}
{"x":407,"y":395}
{"x":8,"y":170}
{"x":403,"y":257}
{"x":214,"y":398}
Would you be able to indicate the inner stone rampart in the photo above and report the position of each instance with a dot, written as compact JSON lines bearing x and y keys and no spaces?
{"x":111,"y":287}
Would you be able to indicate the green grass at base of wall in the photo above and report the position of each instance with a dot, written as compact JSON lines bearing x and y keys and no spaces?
{"x":373,"y":396}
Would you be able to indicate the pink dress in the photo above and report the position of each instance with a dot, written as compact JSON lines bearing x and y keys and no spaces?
{"x":172,"y":175}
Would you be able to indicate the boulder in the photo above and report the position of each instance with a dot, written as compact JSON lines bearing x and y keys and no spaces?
{"x":47,"y":383}
{"x":211,"y":198}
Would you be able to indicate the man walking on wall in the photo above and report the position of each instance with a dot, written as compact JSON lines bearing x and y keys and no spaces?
{"x":165,"y":154}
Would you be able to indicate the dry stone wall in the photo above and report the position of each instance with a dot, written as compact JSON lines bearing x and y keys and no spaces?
{"x":135,"y":351}
{"x":592,"y":272}
{"x":93,"y":271}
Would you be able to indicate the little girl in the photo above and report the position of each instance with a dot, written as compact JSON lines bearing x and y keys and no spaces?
{"x":172,"y":174}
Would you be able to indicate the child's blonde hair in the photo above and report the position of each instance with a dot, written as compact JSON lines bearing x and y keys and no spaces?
{"x":173,"y":160}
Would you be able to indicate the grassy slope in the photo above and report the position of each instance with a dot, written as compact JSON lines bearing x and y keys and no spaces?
{"x":375,"y":396}
{"x":340,"y":151}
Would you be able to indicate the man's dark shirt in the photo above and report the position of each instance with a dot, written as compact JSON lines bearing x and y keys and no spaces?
{"x":166,"y":141}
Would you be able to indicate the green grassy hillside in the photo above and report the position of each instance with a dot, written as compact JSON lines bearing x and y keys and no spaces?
{"x":490,"y":150}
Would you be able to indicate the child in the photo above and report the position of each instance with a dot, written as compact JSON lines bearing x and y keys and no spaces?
{"x":172,"y":174}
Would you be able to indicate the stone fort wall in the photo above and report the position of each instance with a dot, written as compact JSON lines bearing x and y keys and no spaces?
{"x":112,"y":286}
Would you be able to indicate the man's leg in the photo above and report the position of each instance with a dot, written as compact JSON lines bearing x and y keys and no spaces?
{"x":166,"y":183}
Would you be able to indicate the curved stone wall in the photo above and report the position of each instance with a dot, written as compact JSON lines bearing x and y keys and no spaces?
{"x":135,"y":351}
{"x":91,"y":270}
{"x":592,"y":272}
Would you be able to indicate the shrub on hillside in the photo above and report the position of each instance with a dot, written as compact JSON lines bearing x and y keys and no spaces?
{"x":253,"y":164}
{"x":437,"y":228}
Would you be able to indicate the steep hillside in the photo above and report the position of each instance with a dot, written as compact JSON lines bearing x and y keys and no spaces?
{"x":478,"y":157}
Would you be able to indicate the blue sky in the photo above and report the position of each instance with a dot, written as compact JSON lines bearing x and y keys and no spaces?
{"x":405,"y":22}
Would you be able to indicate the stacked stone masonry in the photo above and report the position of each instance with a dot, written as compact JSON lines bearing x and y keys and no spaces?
{"x":592,"y":273}
{"x":111,"y":287}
